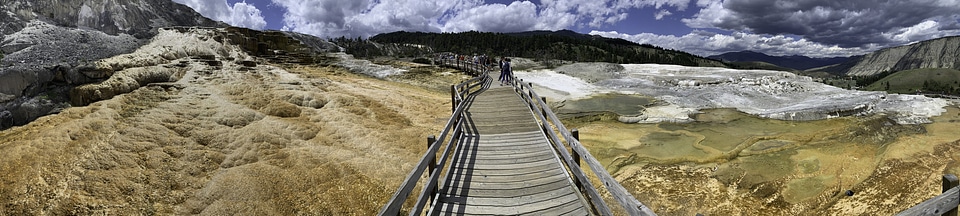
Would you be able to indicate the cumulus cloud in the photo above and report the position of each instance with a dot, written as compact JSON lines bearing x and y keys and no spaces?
{"x":364,"y":18}
{"x":597,"y":13}
{"x":923,"y":31}
{"x":518,"y":16}
{"x":707,"y":43}
{"x":240,"y":14}
{"x":245,"y":15}
{"x":662,"y":13}
{"x":852,"y":23}
{"x":816,"y":27}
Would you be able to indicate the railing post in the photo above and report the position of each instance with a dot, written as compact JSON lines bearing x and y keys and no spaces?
{"x":530,"y":92}
{"x":432,"y":165}
{"x":453,"y":98}
{"x":576,"y":136}
{"x":576,"y":156}
{"x":949,"y":182}
{"x":544,"y":122}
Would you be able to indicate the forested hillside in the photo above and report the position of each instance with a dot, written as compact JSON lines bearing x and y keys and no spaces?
{"x":540,"y":45}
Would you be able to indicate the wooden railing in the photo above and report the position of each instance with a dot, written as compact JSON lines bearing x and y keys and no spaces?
{"x":945,"y":204}
{"x":551,"y":125}
{"x":467,"y":65}
{"x":448,"y":137}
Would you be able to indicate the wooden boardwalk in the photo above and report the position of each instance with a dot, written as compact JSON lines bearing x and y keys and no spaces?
{"x":501,"y":153}
{"x":504,"y":164}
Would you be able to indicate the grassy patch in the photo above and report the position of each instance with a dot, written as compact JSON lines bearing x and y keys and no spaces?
{"x":757,"y":65}
{"x":909,"y":81}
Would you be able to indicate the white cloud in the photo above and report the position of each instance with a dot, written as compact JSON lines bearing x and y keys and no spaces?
{"x":597,"y":13}
{"x":711,"y":13}
{"x":706,"y":44}
{"x":553,"y":18}
{"x":246,"y":15}
{"x":240,"y":14}
{"x":364,"y":18}
{"x":925,"y":30}
{"x":821,"y":28}
{"x":849,"y":23}
{"x":518,"y":16}
{"x":662,"y":13}
{"x":352,"y":18}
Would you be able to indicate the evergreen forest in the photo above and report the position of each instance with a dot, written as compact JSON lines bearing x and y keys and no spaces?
{"x":539,"y":45}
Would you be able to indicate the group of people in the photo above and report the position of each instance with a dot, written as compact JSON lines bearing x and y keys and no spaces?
{"x":475,"y":59}
{"x":506,"y":71}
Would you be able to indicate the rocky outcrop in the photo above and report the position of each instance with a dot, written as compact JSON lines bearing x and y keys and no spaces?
{"x":176,"y":50}
{"x":279,"y":47}
{"x":139,"y":18}
{"x":796,"y":62}
{"x":43,"y":55}
{"x":937,"y":53}
{"x":189,"y":147}
{"x":50,"y":46}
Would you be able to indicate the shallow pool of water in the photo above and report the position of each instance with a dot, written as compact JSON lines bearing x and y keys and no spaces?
{"x":799,"y":160}
{"x":620,"y":104}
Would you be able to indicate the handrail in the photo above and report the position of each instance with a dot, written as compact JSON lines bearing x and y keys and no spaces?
{"x":629,"y":203}
{"x":578,"y":174}
{"x":458,"y":92}
{"x":943,"y":204}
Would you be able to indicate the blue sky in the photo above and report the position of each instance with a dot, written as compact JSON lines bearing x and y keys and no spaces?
{"x":817,"y":28}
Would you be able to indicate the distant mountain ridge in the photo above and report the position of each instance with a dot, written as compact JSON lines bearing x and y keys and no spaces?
{"x":796,"y":62}
{"x":544,"y":45}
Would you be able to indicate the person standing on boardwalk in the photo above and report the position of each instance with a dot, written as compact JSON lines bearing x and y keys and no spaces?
{"x":505,"y":72}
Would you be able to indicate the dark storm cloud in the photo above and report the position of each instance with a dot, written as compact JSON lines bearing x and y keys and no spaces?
{"x":853,"y":23}
{"x":951,"y":26}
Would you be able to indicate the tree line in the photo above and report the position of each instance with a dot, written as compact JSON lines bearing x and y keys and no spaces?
{"x":539,"y":45}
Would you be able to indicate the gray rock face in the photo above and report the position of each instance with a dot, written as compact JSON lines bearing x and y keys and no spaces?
{"x":48,"y":46}
{"x":42,"y":55}
{"x":937,"y":53}
{"x":139,"y":18}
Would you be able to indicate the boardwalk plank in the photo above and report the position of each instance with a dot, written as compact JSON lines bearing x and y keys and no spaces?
{"x":521,"y":209}
{"x":478,"y":177}
{"x":512,"y":156}
{"x":503,"y":172}
{"x":563,"y":209}
{"x":536,"y":197}
{"x":507,"y":143}
{"x":475,"y":166}
{"x":492,"y":192}
{"x":507,"y":151}
{"x":509,"y":160}
{"x":505,"y":165}
{"x":531,"y":146}
{"x":466,"y":183}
